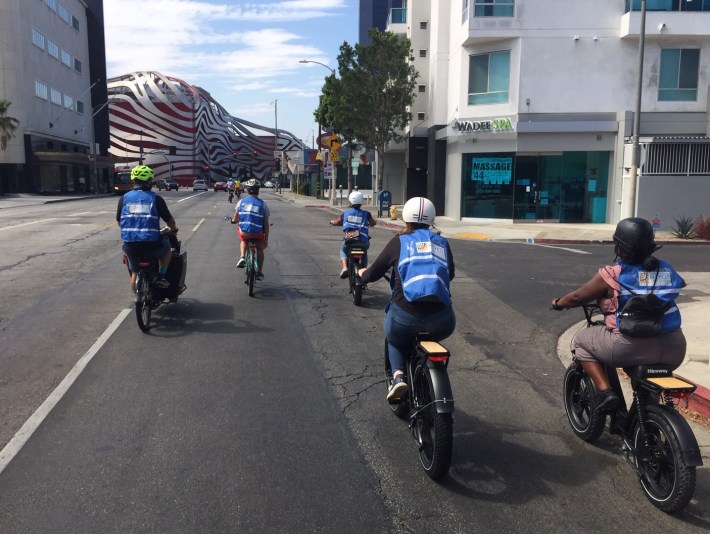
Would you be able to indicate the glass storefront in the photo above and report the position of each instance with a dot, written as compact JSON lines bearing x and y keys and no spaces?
{"x":564,"y":187}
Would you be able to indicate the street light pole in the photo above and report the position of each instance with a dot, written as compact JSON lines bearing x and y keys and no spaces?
{"x":628,"y":203}
{"x":331,"y":196}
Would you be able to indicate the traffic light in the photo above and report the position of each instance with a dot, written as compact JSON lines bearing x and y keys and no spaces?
{"x":235,"y":153}
{"x":255,"y":152}
{"x":207,"y":168}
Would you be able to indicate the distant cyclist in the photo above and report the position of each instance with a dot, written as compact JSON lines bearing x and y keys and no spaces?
{"x":422,"y":267}
{"x":354,"y":219}
{"x":252,"y":215}
{"x":138,"y":214}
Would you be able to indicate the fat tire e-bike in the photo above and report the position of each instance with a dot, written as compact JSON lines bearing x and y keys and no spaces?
{"x":148,"y":296}
{"x":355,"y":250}
{"x":658,"y":443}
{"x":428,"y":405}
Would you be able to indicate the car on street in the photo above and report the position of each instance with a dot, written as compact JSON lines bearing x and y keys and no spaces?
{"x":168,"y":184}
{"x":199,"y":185}
{"x":220,"y":186}
{"x":270,"y":184}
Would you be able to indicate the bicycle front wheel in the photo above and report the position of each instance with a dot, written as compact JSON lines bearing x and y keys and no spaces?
{"x":434,"y":430}
{"x":143,"y":301}
{"x":578,"y":392}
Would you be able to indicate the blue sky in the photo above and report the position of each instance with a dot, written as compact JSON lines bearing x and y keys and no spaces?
{"x":245,"y":53}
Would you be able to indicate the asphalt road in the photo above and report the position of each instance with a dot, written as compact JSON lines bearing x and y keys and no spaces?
{"x":267,"y":414}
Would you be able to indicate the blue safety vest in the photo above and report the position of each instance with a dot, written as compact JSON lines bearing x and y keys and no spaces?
{"x":251,"y":215}
{"x":139,"y":217}
{"x":354,"y":219}
{"x":424,"y":266}
{"x":635,"y":280}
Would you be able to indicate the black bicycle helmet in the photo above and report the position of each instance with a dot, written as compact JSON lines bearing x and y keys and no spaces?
{"x":634,"y":238}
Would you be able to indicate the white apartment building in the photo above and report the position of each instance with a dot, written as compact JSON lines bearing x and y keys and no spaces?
{"x":46,"y":74}
{"x":525,"y":109}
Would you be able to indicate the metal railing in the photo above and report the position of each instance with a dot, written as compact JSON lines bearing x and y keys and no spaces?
{"x":682,"y":159}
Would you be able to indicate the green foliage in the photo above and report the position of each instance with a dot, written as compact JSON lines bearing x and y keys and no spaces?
{"x":684,"y":228}
{"x":369,"y":100}
{"x":702,"y":228}
{"x":8,"y":125}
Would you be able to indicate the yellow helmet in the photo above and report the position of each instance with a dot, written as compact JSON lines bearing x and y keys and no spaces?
{"x":142,"y":173}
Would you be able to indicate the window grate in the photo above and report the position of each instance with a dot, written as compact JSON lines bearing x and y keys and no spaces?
{"x":682,"y":159}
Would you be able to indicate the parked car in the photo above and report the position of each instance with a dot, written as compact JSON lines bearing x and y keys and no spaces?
{"x":167,"y":184}
{"x":199,"y":185}
{"x":220,"y":186}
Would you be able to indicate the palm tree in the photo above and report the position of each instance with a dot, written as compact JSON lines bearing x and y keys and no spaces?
{"x":8,"y":125}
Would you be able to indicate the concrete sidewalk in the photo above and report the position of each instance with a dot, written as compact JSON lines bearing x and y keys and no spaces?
{"x":695,"y":368}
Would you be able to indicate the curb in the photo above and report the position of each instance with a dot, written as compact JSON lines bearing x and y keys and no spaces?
{"x":699,"y":401}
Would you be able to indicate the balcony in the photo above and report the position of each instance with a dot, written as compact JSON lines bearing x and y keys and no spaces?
{"x":397,"y":20}
{"x":662,"y":24}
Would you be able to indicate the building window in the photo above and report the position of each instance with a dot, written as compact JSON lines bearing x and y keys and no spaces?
{"x":489,"y":78}
{"x":41,"y":90}
{"x":77,"y":65}
{"x":494,"y":8}
{"x":422,"y":52}
{"x":67,"y":59}
{"x":53,"y":49}
{"x":421,"y":116}
{"x":669,"y":5}
{"x":63,"y":13}
{"x":55,"y":96}
{"x":678,"y":79}
{"x":423,"y":24}
{"x":52,"y":4}
{"x":68,"y":102}
{"x":80,"y":107}
{"x":422,"y":88}
{"x":464,"y":11}
{"x":37,"y":38}
{"x":75,"y":23}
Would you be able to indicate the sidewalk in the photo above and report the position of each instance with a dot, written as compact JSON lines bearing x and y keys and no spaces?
{"x":695,"y":368}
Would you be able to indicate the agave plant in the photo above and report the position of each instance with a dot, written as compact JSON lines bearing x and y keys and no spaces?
{"x":684,"y":228}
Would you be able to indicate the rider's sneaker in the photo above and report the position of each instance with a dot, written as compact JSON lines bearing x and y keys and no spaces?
{"x":398,"y":389}
{"x":344,"y":273}
{"x":162,"y":283}
{"x":259,"y":276}
{"x":606,"y":400}
{"x":241,"y":263}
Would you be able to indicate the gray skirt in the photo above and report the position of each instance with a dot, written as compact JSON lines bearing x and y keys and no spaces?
{"x":598,"y":343}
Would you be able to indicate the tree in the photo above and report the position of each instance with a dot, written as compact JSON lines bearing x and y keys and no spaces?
{"x":8,"y":125}
{"x":374,"y":92}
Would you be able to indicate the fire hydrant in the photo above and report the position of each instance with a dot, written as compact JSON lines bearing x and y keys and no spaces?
{"x":393,"y":212}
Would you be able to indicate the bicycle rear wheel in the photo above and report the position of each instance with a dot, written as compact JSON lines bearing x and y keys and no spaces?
{"x":250,"y":269}
{"x":434,"y":430}
{"x":143,"y":301}
{"x":355,"y":288}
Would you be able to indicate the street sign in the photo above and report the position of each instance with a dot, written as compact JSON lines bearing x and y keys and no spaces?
{"x":334,"y":143}
{"x":334,"y":156}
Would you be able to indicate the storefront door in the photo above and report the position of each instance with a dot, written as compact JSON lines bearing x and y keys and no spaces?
{"x":537,"y":188}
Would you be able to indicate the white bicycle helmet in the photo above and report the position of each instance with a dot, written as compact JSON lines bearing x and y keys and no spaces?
{"x":355,"y":198}
{"x":419,"y":210}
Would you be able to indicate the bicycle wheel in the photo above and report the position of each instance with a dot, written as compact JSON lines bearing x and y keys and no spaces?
{"x":143,"y":301}
{"x":578,"y":393}
{"x":250,"y":269}
{"x":667,"y":482}
{"x":355,"y":288}
{"x":434,"y":430}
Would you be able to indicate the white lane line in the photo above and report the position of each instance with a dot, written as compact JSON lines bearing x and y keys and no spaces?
{"x":24,"y":434}
{"x":192,"y":196}
{"x":80,"y":214}
{"x":198,"y":225}
{"x":25,"y":224}
{"x":575,"y":250}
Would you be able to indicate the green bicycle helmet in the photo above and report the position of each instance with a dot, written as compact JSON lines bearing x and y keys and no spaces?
{"x":142,"y":173}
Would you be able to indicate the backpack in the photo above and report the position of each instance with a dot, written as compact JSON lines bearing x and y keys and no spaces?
{"x":642,"y":314}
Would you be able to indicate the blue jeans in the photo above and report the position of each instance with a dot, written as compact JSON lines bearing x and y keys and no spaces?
{"x":362,"y":244}
{"x":401,"y":327}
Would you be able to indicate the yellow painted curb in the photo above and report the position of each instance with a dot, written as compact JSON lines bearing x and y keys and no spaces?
{"x":473,"y":235}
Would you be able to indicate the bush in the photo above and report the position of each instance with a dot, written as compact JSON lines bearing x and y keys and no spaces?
{"x":702,"y":228}
{"x":684,"y":228}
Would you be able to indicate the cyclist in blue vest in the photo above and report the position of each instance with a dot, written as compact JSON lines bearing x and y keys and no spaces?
{"x":635,"y":271}
{"x":354,"y":219}
{"x":252,"y":215}
{"x":422,"y":267}
{"x":138,"y":214}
